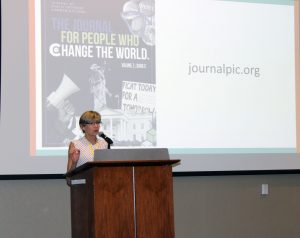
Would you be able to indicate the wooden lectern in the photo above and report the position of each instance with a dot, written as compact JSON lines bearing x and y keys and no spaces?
{"x":119,"y":198}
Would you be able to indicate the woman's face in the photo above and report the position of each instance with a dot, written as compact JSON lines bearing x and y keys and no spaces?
{"x":91,"y":129}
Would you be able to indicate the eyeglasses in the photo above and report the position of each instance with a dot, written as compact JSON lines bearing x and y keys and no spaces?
{"x":93,"y":123}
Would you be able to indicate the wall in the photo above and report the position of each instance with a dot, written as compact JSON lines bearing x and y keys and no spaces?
{"x":205,"y":206}
{"x":34,"y":209}
{"x":231,"y":206}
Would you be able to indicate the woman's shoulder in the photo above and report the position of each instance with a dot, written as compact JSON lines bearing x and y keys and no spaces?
{"x":78,"y":142}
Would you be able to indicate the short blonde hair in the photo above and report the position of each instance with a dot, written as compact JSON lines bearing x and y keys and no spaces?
{"x":89,"y":117}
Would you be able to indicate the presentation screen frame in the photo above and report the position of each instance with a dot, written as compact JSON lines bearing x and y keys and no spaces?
{"x":208,"y":158}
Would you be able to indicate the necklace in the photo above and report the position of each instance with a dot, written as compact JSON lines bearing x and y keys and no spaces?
{"x":92,"y":149}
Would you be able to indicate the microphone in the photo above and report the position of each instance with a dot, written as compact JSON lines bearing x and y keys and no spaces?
{"x":107,"y":139}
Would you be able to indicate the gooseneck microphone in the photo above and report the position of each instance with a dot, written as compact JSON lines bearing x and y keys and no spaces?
{"x":107,"y":139}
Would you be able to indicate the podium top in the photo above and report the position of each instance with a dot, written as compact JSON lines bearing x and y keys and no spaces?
{"x":131,"y":154}
{"x":124,"y":163}
{"x":126,"y":157}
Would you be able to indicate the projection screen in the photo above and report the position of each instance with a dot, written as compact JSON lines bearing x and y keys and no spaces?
{"x":215,"y":82}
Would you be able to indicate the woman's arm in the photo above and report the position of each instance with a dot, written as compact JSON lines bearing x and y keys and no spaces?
{"x":73,"y":157}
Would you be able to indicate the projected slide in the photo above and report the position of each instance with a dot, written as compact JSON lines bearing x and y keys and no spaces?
{"x":195,"y":77}
{"x":94,"y":55}
{"x":226,"y":76}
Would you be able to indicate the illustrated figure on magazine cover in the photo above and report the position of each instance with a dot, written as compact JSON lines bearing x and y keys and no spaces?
{"x":98,"y":87}
{"x":139,"y":16}
{"x":62,"y":103}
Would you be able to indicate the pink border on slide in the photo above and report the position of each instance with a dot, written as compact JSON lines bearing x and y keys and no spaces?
{"x":297,"y":73}
{"x":32,"y":96}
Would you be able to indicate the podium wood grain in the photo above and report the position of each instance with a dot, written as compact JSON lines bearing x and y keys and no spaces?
{"x":154,"y":201}
{"x":131,"y":199}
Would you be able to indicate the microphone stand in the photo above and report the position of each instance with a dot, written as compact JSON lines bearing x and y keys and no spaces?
{"x":107,"y":139}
